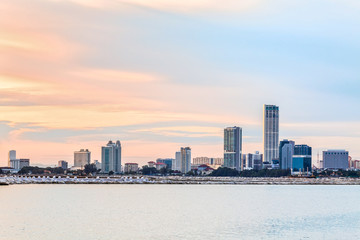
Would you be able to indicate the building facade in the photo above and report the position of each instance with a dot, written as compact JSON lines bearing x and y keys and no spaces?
{"x":286,"y":153}
{"x":177,"y":165}
{"x":271,"y":132}
{"x":111,"y":157}
{"x":302,"y":158}
{"x":82,"y":158}
{"x":131,"y":168}
{"x":185,"y":157}
{"x":63,"y":164}
{"x":254,"y":161}
{"x":336,"y":159}
{"x":15,"y":163}
{"x":233,"y":148}
{"x":168,"y":161}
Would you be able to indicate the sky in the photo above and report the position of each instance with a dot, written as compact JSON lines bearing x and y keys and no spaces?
{"x":163,"y":74}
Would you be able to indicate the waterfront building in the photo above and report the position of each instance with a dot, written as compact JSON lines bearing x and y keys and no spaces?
{"x":185,"y":159}
{"x":286,"y":152}
{"x":82,"y":158}
{"x":271,"y":133}
{"x":97,"y":164}
{"x":214,"y":163}
{"x":168,"y":161}
{"x":160,"y":165}
{"x":111,"y":157}
{"x":17,"y":164}
{"x":302,"y":150}
{"x":254,"y":161}
{"x":63,"y":164}
{"x":12,"y":156}
{"x":151,"y":164}
{"x":302,"y":158}
{"x":336,"y":159}
{"x":131,"y":168}
{"x":233,"y":148}
{"x":177,"y":166}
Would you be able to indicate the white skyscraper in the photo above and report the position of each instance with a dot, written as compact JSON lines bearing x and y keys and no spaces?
{"x":185,"y":156}
{"x":111,"y":157}
{"x":271,"y":133}
{"x":12,"y":157}
{"x":177,"y":166}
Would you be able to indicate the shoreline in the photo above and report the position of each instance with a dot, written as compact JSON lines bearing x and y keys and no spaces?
{"x":177,"y":180}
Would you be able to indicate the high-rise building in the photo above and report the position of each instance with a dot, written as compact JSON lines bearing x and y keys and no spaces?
{"x":185,"y":158}
{"x":63,"y":164}
{"x":82,"y":158}
{"x":254,"y":161}
{"x":286,"y":152}
{"x":111,"y":157}
{"x":233,"y":148}
{"x":177,"y":164}
{"x":15,"y":163}
{"x":271,"y":133}
{"x":302,"y":158}
{"x":12,"y":156}
{"x":336,"y":159}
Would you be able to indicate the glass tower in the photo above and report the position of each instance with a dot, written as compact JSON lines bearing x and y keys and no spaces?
{"x":111,"y":157}
{"x":233,"y":148}
{"x":271,"y":133}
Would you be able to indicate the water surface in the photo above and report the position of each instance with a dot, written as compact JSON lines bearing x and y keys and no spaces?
{"x":179,"y":212}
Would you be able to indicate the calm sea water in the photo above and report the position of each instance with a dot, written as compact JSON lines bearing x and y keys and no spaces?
{"x":179,"y":212}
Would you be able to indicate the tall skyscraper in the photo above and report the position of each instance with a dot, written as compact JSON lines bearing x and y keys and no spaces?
{"x":233,"y":148}
{"x":271,"y":133}
{"x":177,"y":166}
{"x":185,"y":156}
{"x":286,"y":152}
{"x":82,"y":158}
{"x":111,"y":157}
{"x":12,"y":157}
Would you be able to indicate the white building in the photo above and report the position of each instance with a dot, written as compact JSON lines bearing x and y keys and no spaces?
{"x":111,"y":157}
{"x":286,"y":153}
{"x":82,"y":158}
{"x":17,"y":164}
{"x":177,"y":165}
{"x":271,"y":133}
{"x":185,"y":157}
{"x":97,"y":164}
{"x":336,"y":159}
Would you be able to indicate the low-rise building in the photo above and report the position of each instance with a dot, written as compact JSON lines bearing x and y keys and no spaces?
{"x":151,"y":164}
{"x":336,"y":159}
{"x":160,"y":165}
{"x":131,"y":168}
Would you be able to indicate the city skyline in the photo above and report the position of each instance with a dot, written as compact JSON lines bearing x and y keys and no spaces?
{"x":159,"y":75}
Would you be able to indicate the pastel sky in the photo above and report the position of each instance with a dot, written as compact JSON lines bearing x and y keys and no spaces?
{"x":161,"y":74}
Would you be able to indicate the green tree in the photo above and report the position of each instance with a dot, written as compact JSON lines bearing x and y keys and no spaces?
{"x":90,"y":168}
{"x":148,"y":171}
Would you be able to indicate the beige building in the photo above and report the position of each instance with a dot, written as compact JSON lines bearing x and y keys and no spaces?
{"x":131,"y":168}
{"x":82,"y":158}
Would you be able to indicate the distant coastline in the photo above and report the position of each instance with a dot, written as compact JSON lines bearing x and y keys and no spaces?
{"x":13,"y":180}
